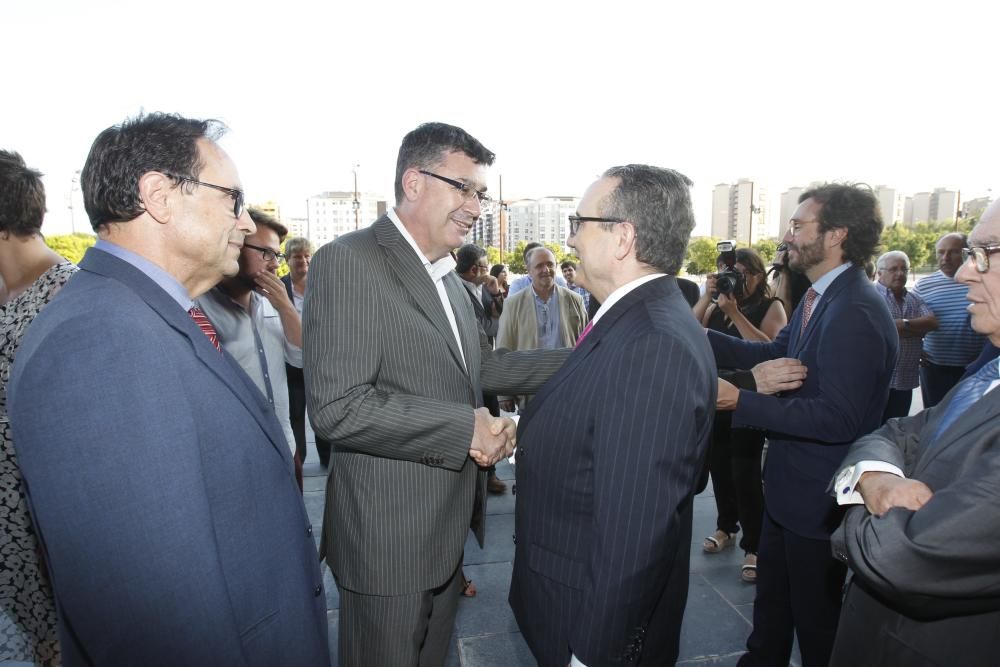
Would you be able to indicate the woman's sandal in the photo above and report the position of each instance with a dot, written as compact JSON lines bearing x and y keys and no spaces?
{"x":748,"y":572}
{"x":718,"y":541}
{"x":468,"y":588}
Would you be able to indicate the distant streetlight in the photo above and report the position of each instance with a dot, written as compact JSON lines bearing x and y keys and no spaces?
{"x":74,"y":184}
{"x":356,"y":204}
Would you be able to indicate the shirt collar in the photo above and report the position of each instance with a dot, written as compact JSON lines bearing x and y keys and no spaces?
{"x":167,"y":282}
{"x":437,"y":270}
{"x":617,"y":295}
{"x":827,"y":278}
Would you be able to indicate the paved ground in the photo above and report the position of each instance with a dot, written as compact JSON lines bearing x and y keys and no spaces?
{"x":716,"y":623}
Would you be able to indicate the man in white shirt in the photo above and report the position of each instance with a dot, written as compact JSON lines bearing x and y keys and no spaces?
{"x":256,"y":321}
{"x":923,"y":546}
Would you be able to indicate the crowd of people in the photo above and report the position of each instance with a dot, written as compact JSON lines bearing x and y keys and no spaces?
{"x":153,"y":404}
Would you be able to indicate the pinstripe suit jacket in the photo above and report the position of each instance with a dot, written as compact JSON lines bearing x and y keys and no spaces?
{"x":386,"y":384}
{"x":609,"y":453}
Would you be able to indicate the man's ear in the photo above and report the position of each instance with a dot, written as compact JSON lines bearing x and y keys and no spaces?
{"x":624,"y":239}
{"x":837,"y":236}
{"x":413,"y":183}
{"x":156,"y":190}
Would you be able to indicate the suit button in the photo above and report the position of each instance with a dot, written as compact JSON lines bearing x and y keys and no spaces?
{"x":317,"y":591}
{"x":309,"y":530}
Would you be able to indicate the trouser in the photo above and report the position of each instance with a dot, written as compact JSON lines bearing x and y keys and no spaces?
{"x":799,"y":587}
{"x":936,"y":381}
{"x":297,"y":415}
{"x":734,"y":463}
{"x":397,"y":631}
{"x":898,"y":404}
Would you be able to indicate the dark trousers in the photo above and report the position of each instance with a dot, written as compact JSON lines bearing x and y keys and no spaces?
{"x":297,"y":415}
{"x":936,"y":381}
{"x":799,"y":586}
{"x":898,"y":404}
{"x":734,"y":464}
{"x":391,"y":631}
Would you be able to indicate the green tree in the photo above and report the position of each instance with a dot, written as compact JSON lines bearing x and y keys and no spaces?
{"x":766,"y":249}
{"x":71,"y":246}
{"x":493,"y":256}
{"x":701,"y":255}
{"x":515,"y":260}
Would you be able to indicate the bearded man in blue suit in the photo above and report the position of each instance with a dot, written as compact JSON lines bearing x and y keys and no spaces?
{"x":842,"y":332}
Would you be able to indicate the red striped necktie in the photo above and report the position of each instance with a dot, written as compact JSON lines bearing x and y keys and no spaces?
{"x":201,"y":319}
{"x":583,"y":334}
{"x":807,"y":308}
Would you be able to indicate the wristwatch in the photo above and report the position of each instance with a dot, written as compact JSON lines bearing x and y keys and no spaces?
{"x":906,"y":323}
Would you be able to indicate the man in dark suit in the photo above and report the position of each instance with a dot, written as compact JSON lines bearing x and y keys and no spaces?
{"x":612,"y":446}
{"x":922,"y":548}
{"x":842,"y":332}
{"x":396,"y":367}
{"x":158,"y":476}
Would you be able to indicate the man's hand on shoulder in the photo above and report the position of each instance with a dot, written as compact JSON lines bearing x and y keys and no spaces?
{"x":492,"y":438}
{"x":882,"y":491}
{"x":779,"y":375}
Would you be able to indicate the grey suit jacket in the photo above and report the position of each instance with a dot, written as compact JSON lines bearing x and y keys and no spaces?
{"x":926,"y":587}
{"x":386,"y":384}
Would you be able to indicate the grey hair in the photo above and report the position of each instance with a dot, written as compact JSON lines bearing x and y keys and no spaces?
{"x":658,"y":202}
{"x":298,"y":244}
{"x":893,"y":254}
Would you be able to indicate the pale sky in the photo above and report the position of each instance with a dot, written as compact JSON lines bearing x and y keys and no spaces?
{"x":895,"y":93}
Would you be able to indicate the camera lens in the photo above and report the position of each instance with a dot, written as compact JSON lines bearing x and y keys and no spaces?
{"x":726,"y":283}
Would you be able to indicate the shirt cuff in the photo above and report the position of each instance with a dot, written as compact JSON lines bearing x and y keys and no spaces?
{"x":849,"y":476}
{"x":575,"y":662}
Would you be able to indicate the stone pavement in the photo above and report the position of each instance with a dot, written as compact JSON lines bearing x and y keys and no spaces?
{"x":716,"y":622}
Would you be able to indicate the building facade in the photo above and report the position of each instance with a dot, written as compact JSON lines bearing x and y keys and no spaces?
{"x":332,"y":214}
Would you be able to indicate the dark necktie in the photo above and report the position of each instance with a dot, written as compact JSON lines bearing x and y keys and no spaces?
{"x":583,"y":334}
{"x":968,"y":392}
{"x":807,"y":308}
{"x":201,"y":319}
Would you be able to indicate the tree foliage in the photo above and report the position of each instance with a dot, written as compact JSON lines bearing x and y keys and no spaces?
{"x":71,"y":246}
{"x":701,"y":255}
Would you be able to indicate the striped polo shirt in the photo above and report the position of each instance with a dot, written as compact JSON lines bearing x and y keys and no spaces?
{"x":954,"y":343}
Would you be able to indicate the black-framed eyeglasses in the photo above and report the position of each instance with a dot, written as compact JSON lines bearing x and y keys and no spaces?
{"x":239,"y":199}
{"x":981,"y":253}
{"x":576,"y":220}
{"x":268,"y":254}
{"x":468,"y":192}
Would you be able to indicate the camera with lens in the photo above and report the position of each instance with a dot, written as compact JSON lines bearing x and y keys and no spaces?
{"x":728,"y":281}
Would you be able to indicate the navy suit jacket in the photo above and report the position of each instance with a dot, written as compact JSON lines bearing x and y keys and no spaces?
{"x":161,"y":486}
{"x":609,"y":453}
{"x":849,"y":348}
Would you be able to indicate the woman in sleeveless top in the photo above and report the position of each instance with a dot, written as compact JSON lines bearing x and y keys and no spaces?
{"x":734,"y":457}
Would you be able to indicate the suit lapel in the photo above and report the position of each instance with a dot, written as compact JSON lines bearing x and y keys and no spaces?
{"x":222,"y":365}
{"x":831,"y":293}
{"x":657,"y":288}
{"x":412,"y":275}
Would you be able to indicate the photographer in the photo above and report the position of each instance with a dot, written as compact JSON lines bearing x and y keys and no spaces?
{"x":743,"y":308}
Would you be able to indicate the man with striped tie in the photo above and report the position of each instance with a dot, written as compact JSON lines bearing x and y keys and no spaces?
{"x":157,"y":474}
{"x":921,"y":538}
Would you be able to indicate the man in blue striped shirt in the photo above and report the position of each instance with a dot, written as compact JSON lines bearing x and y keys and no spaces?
{"x":947,"y":351}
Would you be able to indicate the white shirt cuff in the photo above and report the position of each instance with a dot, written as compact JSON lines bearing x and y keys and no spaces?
{"x":575,"y":662}
{"x":849,"y":476}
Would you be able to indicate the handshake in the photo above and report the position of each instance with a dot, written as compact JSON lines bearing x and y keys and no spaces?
{"x":493,"y":438}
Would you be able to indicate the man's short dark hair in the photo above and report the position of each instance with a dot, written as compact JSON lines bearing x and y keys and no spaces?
{"x":468,"y":256}
{"x":528,"y":248}
{"x":122,"y":154}
{"x":850,"y":206}
{"x":22,"y":196}
{"x":262,"y":219}
{"x":658,"y":202}
{"x":567,"y":263}
{"x":426,"y":146}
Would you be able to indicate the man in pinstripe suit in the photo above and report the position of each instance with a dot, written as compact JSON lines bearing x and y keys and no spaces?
{"x":611,"y":448}
{"x":396,"y":364}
